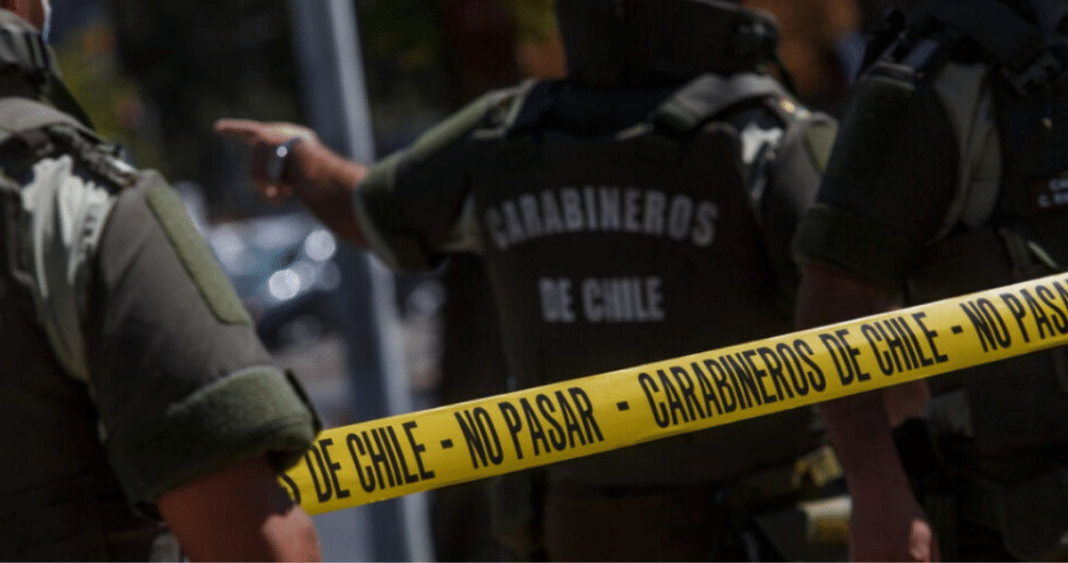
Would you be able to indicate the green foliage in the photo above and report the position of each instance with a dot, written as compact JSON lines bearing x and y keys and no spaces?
{"x":535,"y":22}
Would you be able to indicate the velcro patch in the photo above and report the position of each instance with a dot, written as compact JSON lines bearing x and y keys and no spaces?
{"x":196,"y":256}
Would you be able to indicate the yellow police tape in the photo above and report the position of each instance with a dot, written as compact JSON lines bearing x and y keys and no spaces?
{"x":399,"y":455}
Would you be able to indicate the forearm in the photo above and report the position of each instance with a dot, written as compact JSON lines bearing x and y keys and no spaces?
{"x":887,"y":523}
{"x":859,"y":428}
{"x":325,"y":181}
{"x":858,"y":425}
{"x":239,"y":513}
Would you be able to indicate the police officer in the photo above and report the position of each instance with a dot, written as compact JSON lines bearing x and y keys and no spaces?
{"x":947,"y":178}
{"x":133,"y":389}
{"x":640,"y":209}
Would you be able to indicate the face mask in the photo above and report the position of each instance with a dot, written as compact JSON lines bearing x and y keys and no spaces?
{"x":47,"y":20}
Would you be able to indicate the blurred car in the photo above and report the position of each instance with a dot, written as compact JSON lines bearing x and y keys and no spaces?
{"x":284,"y":270}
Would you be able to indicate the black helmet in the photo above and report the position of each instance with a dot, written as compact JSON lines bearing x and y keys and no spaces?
{"x":634,"y":42}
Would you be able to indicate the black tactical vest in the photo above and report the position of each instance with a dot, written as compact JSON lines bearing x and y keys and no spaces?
{"x":1020,"y":404}
{"x":609,"y":249}
{"x":59,"y":499}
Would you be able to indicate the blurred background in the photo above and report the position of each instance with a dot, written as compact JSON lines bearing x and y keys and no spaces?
{"x":369,"y":76}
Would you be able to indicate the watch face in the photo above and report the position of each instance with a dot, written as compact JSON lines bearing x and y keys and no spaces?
{"x":277,"y":161}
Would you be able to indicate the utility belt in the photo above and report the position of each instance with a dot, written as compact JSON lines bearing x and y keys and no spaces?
{"x":776,"y":486}
{"x":793,"y":512}
{"x":782,"y":504}
{"x":955,"y":484}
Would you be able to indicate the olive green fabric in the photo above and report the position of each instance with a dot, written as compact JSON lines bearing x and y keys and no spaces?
{"x":843,"y":241}
{"x":195,"y":253}
{"x":819,"y":138}
{"x":436,"y":172}
{"x":872,"y":127}
{"x":161,"y":344}
{"x":249,"y":413}
{"x":783,"y":209}
{"x":885,"y":193}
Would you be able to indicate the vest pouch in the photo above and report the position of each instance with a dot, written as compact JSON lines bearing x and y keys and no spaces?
{"x":1020,"y":404}
{"x":813,"y":530}
{"x":961,"y":264}
{"x":1031,"y":261}
{"x":805,"y":523}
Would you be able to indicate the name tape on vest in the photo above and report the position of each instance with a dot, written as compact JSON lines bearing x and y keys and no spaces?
{"x":399,"y":455}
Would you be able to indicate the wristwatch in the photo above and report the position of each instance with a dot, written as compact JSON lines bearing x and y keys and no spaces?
{"x":276,"y":161}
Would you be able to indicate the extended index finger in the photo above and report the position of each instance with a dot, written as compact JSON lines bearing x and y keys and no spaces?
{"x":242,"y":129}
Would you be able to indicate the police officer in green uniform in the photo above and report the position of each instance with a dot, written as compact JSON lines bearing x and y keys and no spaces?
{"x":640,"y":209}
{"x":948,"y":177}
{"x":135,"y":397}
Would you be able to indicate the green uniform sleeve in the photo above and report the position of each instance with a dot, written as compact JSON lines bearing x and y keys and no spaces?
{"x":415,"y":205}
{"x":889,"y":182}
{"x":182,"y":384}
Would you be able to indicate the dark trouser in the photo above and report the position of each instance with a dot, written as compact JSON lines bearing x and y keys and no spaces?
{"x":681,"y":523}
{"x":763,"y":515}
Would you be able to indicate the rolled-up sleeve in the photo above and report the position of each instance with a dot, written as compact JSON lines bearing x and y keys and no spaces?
{"x":182,"y":384}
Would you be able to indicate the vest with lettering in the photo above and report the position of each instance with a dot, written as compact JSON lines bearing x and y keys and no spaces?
{"x":611,"y":248}
{"x":1022,"y":404}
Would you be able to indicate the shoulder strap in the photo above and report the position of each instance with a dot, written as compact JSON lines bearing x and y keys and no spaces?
{"x":1015,"y":44}
{"x":18,"y":115}
{"x":1004,"y":34}
{"x":531,"y":106}
{"x":692,"y":105}
{"x":25,"y":52}
{"x":708,"y":96}
{"x":33,"y":129}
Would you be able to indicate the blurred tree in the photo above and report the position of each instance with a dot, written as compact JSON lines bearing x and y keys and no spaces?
{"x":539,"y":50}
{"x":200,"y":60}
{"x":479,"y":36}
{"x":403,"y":46}
{"x":113,"y":100}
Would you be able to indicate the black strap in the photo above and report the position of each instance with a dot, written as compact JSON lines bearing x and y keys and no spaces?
{"x":1004,"y":34}
{"x":25,"y":51}
{"x":59,"y":95}
{"x":1018,"y":46}
{"x":532,"y":107}
{"x":39,"y":127}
